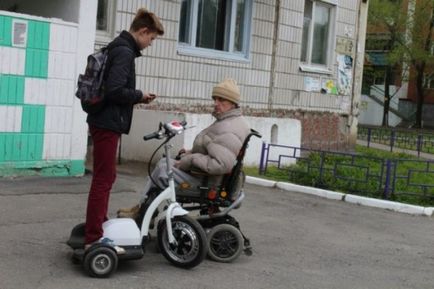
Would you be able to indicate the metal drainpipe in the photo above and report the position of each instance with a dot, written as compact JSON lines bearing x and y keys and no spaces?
{"x":273,"y":55}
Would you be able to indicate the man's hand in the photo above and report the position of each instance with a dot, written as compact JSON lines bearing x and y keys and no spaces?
{"x":177,"y":164}
{"x":148,"y":97}
{"x":182,"y":152}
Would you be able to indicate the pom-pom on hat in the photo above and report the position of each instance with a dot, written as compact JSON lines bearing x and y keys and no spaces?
{"x":227,"y":89}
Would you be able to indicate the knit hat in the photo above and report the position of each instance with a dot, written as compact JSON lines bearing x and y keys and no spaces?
{"x":227,"y":89}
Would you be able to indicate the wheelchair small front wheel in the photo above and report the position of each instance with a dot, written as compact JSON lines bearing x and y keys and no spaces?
{"x":225,"y":243}
{"x":191,"y":242}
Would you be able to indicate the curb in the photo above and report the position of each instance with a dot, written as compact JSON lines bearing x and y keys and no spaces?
{"x":352,"y":199}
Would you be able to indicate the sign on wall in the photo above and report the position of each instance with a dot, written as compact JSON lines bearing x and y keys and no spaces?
{"x":19,"y":34}
{"x":344,"y":46}
{"x":345,"y":76}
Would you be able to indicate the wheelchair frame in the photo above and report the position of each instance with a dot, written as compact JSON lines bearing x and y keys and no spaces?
{"x":214,"y":207}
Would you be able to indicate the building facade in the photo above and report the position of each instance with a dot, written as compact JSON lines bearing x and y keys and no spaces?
{"x":298,"y":64}
{"x":293,"y":59}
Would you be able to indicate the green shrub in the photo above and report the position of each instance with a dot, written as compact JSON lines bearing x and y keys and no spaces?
{"x":360,"y":174}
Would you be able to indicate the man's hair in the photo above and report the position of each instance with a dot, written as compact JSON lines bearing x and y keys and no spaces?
{"x":147,"y":19}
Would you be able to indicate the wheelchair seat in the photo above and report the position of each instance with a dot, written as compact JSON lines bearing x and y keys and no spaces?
{"x":224,"y":193}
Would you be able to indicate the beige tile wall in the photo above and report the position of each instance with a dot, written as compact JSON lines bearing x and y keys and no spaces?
{"x":187,"y":81}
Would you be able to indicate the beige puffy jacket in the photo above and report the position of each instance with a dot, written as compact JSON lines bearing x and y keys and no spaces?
{"x":215,"y":149}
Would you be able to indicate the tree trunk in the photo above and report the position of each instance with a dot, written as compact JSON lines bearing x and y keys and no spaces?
{"x":420,"y":71}
{"x":386,"y":106}
{"x":420,"y":95}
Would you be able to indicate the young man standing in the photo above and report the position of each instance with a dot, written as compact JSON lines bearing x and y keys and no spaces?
{"x":114,"y":119}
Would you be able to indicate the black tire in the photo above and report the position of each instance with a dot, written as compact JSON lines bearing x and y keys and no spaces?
{"x":225,"y":243}
{"x":191,"y":240}
{"x":100,"y":262}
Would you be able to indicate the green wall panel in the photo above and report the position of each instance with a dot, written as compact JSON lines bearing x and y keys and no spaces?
{"x":11,"y":89}
{"x":33,"y":119}
{"x":44,"y":168}
{"x":38,"y":35}
{"x":36,"y":63}
{"x":5,"y":31}
{"x":20,"y":147}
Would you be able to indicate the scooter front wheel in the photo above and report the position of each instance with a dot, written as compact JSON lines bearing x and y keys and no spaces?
{"x":191,"y":243}
{"x":100,"y":262}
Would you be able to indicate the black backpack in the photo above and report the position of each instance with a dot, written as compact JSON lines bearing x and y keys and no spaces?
{"x":90,"y":88}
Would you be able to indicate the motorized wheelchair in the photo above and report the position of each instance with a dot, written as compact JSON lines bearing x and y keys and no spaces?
{"x":212,"y":205}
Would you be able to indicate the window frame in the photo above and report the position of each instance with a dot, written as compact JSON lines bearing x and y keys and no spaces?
{"x":189,"y":48}
{"x":105,"y":36}
{"x":327,"y":68}
{"x":428,"y":81}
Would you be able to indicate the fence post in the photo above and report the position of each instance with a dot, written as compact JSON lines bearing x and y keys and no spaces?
{"x":369,"y":136}
{"x":419,"y":144}
{"x":392,"y":140}
{"x":321,"y":166}
{"x":387,"y":181}
{"x":261,"y":162}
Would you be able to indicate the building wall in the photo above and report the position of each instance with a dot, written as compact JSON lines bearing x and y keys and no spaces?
{"x":372,"y":113}
{"x":278,"y":130}
{"x":271,"y":82}
{"x":62,"y":9}
{"x":37,"y":83}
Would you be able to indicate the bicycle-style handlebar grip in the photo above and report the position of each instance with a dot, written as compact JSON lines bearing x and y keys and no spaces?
{"x":151,"y":136}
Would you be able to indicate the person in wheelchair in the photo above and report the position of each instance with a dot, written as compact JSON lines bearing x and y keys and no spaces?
{"x":213,"y":154}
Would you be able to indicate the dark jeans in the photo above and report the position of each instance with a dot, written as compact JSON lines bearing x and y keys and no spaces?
{"x":105,"y":143}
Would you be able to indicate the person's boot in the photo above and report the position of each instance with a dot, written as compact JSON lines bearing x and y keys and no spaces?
{"x":129,"y":212}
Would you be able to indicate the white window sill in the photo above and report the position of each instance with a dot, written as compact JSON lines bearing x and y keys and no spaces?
{"x":103,"y":37}
{"x":212,"y":54}
{"x":315,"y":69}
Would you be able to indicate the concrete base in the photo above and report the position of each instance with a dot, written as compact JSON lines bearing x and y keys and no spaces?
{"x":353,"y":199}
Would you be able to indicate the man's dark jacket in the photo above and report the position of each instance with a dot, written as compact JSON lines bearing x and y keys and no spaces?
{"x":119,"y":86}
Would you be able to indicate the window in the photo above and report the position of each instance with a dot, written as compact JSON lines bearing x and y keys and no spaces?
{"x":105,"y":20}
{"x":428,"y":80}
{"x":318,"y":31}
{"x":215,"y":28}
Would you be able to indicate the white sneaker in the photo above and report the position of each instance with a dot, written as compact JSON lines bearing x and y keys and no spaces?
{"x":104,"y":240}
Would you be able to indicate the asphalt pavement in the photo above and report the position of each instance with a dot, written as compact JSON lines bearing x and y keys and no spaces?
{"x":299,"y":241}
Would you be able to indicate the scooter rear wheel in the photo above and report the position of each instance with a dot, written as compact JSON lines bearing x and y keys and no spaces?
{"x":191,"y":242}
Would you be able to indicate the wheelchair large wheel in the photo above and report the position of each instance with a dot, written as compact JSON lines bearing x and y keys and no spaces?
{"x":191,"y":245}
{"x":225,"y":243}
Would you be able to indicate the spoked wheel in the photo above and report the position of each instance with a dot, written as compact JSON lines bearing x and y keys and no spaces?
{"x":191,"y":245}
{"x":225,"y":243}
{"x":100,"y":262}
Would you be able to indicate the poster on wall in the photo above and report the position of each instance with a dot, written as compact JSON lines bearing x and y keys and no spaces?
{"x":328,"y":86}
{"x":312,"y":84}
{"x":345,"y":76}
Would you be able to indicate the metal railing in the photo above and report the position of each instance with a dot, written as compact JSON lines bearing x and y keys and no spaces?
{"x":398,"y":138}
{"x":404,"y":180}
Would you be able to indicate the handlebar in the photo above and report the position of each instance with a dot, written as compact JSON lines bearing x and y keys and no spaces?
{"x":168,"y":130}
{"x":151,"y":136}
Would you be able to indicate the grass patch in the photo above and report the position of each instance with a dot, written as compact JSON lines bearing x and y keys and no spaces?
{"x":362,"y":173}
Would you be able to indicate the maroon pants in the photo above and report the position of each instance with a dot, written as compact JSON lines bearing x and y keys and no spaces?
{"x":105,"y":143}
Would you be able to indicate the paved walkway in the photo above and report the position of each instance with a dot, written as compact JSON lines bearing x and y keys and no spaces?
{"x":299,"y":241}
{"x":396,"y":150}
